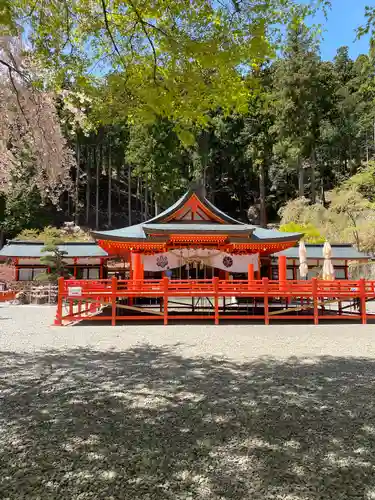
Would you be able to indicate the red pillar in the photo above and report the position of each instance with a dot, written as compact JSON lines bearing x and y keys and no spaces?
{"x":250,"y":272}
{"x":59,"y":310}
{"x":314,"y":283}
{"x":142,"y":269}
{"x":114,"y":299}
{"x":362,"y":297}
{"x":282,"y":267}
{"x":137,"y":266}
{"x":165,"y":299}
{"x":130,"y":265}
{"x":266,"y":310}
{"x":131,"y":274}
{"x":282,"y":275}
{"x":216,"y":298}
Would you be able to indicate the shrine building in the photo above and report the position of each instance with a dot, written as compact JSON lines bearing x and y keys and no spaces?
{"x":194,"y":239}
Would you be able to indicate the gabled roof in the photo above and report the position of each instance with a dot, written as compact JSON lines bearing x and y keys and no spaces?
{"x":33,"y":249}
{"x":315,"y":251}
{"x":169,"y":227}
{"x":196,"y":198}
{"x":194,"y":214}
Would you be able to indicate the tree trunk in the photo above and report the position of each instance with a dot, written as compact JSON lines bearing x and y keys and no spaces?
{"x":118,"y":184}
{"x":68,"y":205}
{"x":1,"y":238}
{"x":262,"y":194}
{"x":141,"y":199}
{"x":88,"y":185}
{"x":301,"y":183}
{"x":97,"y":160}
{"x":146,"y":198}
{"x":323,"y":194}
{"x":129,"y":195}
{"x":151,"y":202}
{"x":352,"y":167}
{"x":109,"y":187}
{"x":76,"y":194}
{"x":313,"y":180}
{"x":203,"y":154}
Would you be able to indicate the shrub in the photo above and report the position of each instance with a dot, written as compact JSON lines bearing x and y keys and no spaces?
{"x":310,"y":232}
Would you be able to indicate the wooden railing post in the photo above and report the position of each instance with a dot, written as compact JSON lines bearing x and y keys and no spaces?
{"x":265,"y":291}
{"x":216,"y":299}
{"x":165,"y":298}
{"x":114,"y":299}
{"x":362,"y":297}
{"x":314,"y":284}
{"x":60,"y":291}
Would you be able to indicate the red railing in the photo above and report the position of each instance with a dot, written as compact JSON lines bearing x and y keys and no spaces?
{"x":104,"y":292}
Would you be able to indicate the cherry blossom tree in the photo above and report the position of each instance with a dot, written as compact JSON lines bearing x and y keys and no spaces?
{"x":32,"y":143}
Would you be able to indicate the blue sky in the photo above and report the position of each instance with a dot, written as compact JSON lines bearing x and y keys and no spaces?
{"x":339,"y":29}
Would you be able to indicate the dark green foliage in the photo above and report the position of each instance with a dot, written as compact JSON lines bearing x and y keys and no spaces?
{"x":53,"y":258}
{"x":308,"y":127}
{"x":23,"y":209}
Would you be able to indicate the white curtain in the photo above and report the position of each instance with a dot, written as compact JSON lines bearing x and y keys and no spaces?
{"x":213,"y":258}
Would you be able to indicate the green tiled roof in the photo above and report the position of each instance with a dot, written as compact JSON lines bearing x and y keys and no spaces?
{"x":199,"y":228}
{"x":260,"y":234}
{"x":16,"y":248}
{"x":126,"y":233}
{"x":139,"y":231}
{"x":340,"y":252}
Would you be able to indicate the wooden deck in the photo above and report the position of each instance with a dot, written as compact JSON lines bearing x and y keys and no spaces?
{"x":124,"y":300}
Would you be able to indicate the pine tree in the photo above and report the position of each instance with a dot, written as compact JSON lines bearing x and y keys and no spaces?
{"x":296,"y":102}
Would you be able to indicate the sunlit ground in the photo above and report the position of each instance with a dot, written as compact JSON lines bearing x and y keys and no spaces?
{"x":185,"y":412}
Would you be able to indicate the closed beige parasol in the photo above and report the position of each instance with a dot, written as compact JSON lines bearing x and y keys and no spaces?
{"x":328,"y":270}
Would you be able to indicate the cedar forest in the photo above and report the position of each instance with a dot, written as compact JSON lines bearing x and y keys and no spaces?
{"x":111,"y":108}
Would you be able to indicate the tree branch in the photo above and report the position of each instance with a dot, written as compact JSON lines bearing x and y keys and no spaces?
{"x":12,"y":68}
{"x":67,"y":23}
{"x":144,"y":24}
{"x":17,"y":94}
{"x":105,"y":13}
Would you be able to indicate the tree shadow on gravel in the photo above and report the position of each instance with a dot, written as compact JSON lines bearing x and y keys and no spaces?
{"x":150,"y":424}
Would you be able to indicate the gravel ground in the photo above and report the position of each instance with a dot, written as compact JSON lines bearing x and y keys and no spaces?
{"x":186,"y":411}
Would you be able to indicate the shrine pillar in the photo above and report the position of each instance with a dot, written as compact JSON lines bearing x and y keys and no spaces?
{"x":250,"y":272}
{"x":282,"y":267}
{"x":138,"y":273}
